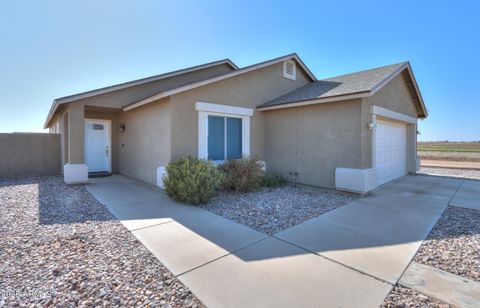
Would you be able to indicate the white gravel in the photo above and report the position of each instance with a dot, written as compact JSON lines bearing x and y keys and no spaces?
{"x":458,"y":173}
{"x":272,"y":210}
{"x":60,"y":247}
{"x":404,"y":297}
{"x":453,"y":245}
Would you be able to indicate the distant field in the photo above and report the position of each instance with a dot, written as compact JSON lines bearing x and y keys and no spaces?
{"x":472,"y":147}
{"x":459,"y":151}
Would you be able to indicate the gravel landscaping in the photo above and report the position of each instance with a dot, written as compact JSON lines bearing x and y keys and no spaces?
{"x":471,"y":174}
{"x":60,"y":247}
{"x":405,"y":297}
{"x":454,"y":243}
{"x":272,"y":210}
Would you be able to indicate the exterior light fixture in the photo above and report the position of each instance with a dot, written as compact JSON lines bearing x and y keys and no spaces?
{"x":121,"y":128}
{"x":371,"y":125}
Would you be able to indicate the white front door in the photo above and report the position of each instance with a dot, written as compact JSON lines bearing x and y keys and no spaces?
{"x":390,"y":151}
{"x":97,"y":145}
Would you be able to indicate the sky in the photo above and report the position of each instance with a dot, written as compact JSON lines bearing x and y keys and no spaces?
{"x":50,"y":49}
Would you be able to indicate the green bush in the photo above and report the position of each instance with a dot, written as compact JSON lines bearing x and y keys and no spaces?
{"x":242,"y":175}
{"x":273,"y":180}
{"x":191,"y":180}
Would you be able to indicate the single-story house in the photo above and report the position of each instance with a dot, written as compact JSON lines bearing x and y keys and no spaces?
{"x":352,"y":132}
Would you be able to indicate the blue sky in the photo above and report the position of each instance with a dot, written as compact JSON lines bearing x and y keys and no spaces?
{"x":50,"y":49}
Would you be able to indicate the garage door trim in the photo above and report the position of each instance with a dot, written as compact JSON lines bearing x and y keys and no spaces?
{"x":389,"y":115}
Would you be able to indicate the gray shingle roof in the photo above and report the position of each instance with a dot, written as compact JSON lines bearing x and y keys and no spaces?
{"x":358,"y":82}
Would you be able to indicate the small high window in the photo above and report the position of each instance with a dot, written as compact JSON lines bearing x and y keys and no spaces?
{"x":289,"y":69}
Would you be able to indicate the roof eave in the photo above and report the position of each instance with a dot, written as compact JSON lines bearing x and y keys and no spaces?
{"x":120,"y":86}
{"x":315,"y":101}
{"x":361,"y":94}
{"x":51,"y":112}
{"x":417,"y":89}
{"x":197,"y":84}
{"x":405,"y":66}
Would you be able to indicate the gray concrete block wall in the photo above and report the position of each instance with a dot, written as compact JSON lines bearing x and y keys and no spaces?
{"x":24,"y":154}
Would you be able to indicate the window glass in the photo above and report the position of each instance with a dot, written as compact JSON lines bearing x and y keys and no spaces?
{"x":234,"y":138}
{"x":216,"y":138}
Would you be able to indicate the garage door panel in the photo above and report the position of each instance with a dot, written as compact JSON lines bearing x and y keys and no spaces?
{"x":390,"y":151}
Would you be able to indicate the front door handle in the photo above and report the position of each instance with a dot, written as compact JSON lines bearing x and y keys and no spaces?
{"x":106,"y":151}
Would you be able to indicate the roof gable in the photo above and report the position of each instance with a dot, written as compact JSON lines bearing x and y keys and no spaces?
{"x":354,"y":85}
{"x":134,"y":83}
{"x":238,"y":72}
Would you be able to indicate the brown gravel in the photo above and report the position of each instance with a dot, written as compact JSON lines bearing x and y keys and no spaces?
{"x":404,"y":297}
{"x":60,"y":247}
{"x":454,"y":243}
{"x":272,"y":210}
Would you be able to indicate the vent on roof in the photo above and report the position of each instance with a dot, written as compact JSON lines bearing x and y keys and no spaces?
{"x":289,"y":69}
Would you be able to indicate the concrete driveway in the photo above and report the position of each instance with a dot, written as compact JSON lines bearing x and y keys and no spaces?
{"x":349,"y":257}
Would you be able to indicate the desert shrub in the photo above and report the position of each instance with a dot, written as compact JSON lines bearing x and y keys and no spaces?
{"x":191,"y":180}
{"x":242,"y":175}
{"x":273,"y":179}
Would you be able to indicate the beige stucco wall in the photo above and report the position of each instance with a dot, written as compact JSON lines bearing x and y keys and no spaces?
{"x":246,"y":90}
{"x":394,"y":96}
{"x":313,"y":141}
{"x":71,"y":117}
{"x":145,"y":143}
{"x":136,"y":152}
{"x":29,"y":154}
{"x":76,"y":133}
{"x":62,"y":119}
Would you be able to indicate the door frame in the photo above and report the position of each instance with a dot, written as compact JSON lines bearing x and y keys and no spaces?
{"x":109,"y":134}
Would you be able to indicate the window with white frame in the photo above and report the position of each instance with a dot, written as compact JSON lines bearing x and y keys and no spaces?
{"x":223,"y":131}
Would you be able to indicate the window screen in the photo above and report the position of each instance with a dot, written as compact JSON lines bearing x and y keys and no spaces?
{"x":216,"y":138}
{"x":224,"y":138}
{"x":234,"y":138}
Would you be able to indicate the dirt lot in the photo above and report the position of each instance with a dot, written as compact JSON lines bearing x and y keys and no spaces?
{"x":468,"y":165}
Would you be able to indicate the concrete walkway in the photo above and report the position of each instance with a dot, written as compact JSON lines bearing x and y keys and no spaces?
{"x":378,"y":235}
{"x":468,"y":195}
{"x":349,"y":257}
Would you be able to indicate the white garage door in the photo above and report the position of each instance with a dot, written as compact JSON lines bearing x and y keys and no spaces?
{"x":390,"y":151}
